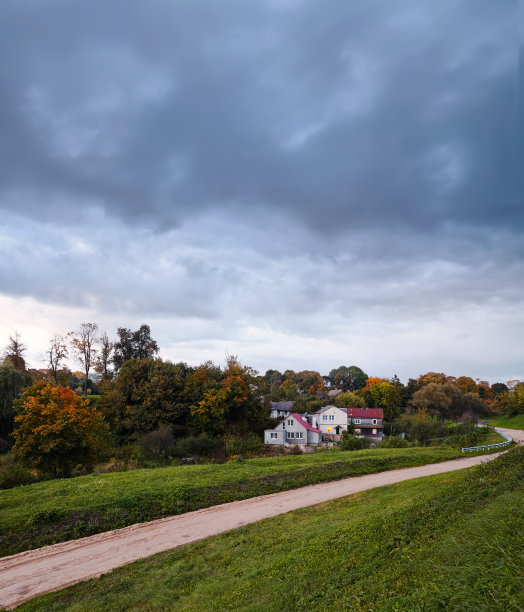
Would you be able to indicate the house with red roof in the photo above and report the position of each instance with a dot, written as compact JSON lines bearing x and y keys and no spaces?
{"x":294,"y":429}
{"x":367,"y":422}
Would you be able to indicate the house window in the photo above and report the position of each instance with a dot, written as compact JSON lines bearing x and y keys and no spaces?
{"x":290,"y":434}
{"x":356,"y":421}
{"x":374,"y":421}
{"x":290,"y":422}
{"x":331,"y":417}
{"x":299,"y":434}
{"x":324,"y":417}
{"x":274,"y":435}
{"x":329,"y":429}
{"x":374,"y":431}
{"x":357,"y":431}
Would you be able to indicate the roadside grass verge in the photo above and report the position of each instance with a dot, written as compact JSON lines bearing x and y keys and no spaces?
{"x":55,"y":511}
{"x":447,"y":542}
{"x":514,"y":422}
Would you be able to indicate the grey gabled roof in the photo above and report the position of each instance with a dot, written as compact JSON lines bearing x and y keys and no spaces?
{"x":282,"y":405}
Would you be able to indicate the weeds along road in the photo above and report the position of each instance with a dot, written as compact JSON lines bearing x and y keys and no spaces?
{"x":34,"y":572}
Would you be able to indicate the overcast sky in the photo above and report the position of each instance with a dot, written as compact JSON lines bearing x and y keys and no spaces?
{"x":303,"y":184}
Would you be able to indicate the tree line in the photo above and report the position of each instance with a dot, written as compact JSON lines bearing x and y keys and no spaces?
{"x":138,"y":396}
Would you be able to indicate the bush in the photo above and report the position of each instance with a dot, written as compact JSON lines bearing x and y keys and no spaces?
{"x":157,"y":445}
{"x":395,"y":442}
{"x":243,"y":446}
{"x":201,"y":445}
{"x":12,"y":474}
{"x":349,"y":442}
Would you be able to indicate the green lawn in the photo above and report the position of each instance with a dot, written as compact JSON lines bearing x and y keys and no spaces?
{"x":447,"y":542}
{"x":58,"y":510}
{"x":515,"y":422}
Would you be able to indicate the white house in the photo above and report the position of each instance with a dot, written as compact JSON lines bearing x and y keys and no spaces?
{"x":331,"y":420}
{"x":294,"y":429}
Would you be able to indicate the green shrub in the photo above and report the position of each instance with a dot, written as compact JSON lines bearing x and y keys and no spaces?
{"x":12,"y":474}
{"x":349,"y":442}
{"x":201,"y":445}
{"x":236,"y":445}
{"x":395,"y":442}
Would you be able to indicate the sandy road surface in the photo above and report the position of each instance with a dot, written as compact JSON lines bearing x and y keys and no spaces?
{"x":46,"y":569}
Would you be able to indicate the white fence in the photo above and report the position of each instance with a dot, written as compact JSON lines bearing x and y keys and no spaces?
{"x":509,"y":440}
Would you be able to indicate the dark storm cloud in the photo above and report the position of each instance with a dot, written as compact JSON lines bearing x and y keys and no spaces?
{"x":343,"y":116}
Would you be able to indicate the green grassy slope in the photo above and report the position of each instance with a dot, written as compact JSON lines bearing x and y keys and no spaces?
{"x":515,"y":422}
{"x":59,"y":510}
{"x":448,"y":542}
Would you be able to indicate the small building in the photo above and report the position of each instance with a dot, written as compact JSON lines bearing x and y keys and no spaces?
{"x":331,"y":420}
{"x":367,"y":422}
{"x":280,"y":409}
{"x":294,"y":429}
{"x":333,"y":393}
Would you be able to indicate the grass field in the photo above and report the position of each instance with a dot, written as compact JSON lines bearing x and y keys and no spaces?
{"x":515,"y":422}
{"x":447,"y":542}
{"x":58,"y":510}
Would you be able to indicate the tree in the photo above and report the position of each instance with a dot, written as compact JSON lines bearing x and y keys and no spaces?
{"x":57,"y":352}
{"x":288,"y":390}
{"x":515,"y":402}
{"x":448,"y":402}
{"x":83,"y":343}
{"x":57,"y":430}
{"x":235,"y":406}
{"x":15,"y":350}
{"x":146,"y":394}
{"x":434,"y":377}
{"x":350,"y":400}
{"x":11,"y":381}
{"x":499,"y":389}
{"x":104,"y":356}
{"x":466,"y":384}
{"x":347,"y":378}
{"x":133,"y":345}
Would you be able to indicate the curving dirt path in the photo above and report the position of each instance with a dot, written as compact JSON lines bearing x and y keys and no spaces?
{"x":34,"y":572}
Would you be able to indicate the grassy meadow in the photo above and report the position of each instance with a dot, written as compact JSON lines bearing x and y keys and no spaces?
{"x":447,"y":542}
{"x":54,"y":511}
{"x":514,"y":422}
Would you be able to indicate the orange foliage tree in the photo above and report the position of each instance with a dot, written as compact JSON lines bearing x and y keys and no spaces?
{"x":57,"y":430}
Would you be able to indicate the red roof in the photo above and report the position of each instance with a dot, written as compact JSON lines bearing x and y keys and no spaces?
{"x":301,"y":421}
{"x":366,"y":413}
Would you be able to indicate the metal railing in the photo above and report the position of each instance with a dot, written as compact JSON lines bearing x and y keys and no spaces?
{"x":509,"y":440}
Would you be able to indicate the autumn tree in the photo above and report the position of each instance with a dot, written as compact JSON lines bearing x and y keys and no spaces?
{"x":83,"y":343}
{"x":350,"y":399}
{"x":288,"y":390}
{"x":133,"y":345}
{"x":234,"y":406}
{"x":448,"y":402}
{"x":56,"y":430}
{"x":14,"y":351}
{"x":348,"y":378}
{"x":11,"y":381}
{"x":466,"y":384}
{"x":56,"y":353}
{"x":438,"y":378}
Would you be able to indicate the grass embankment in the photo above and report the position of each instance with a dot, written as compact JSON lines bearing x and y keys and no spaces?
{"x":447,"y":542}
{"x":514,"y":422}
{"x":54,"y":511}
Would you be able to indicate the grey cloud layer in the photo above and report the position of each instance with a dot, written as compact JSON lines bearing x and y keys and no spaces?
{"x":343,"y":115}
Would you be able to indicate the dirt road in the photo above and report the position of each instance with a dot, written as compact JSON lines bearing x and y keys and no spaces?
{"x":34,"y":572}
